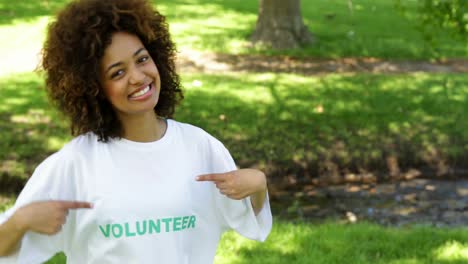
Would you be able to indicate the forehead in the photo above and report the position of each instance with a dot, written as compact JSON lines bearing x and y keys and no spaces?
{"x":122,"y":47}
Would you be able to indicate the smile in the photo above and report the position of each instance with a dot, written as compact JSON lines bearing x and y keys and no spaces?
{"x":142,"y":93}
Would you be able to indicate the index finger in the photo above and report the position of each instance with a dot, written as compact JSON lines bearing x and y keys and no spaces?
{"x":216,"y":177}
{"x":75,"y":204}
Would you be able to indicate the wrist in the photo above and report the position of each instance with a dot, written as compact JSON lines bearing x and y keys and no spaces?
{"x":18,"y":223}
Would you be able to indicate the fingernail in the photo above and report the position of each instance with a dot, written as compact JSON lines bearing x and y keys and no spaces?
{"x":197,"y":178}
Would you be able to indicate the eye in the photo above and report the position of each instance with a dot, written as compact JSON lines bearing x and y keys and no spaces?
{"x":143,"y":59}
{"x":117,"y":73}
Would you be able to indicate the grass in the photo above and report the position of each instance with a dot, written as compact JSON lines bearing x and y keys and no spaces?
{"x":371,"y":29}
{"x":287,"y":121}
{"x":343,"y":243}
{"x":283,"y":123}
{"x":329,"y":243}
{"x":30,"y":129}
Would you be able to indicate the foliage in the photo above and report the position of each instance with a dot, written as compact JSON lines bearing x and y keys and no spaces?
{"x":451,"y":15}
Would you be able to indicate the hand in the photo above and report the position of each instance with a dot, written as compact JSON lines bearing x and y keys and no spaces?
{"x":45,"y":217}
{"x":237,"y":184}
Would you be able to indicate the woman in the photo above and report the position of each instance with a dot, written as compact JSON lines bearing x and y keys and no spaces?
{"x":133,"y":186}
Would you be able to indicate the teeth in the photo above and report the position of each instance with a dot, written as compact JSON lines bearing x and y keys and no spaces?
{"x":141,"y":92}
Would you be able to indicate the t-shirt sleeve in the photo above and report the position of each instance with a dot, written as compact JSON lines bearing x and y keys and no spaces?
{"x":50,"y":181}
{"x":238,"y":214}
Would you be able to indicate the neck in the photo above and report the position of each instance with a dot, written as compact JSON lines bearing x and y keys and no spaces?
{"x":143,"y":128}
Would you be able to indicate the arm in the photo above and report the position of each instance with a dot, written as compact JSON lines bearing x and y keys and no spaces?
{"x":11,"y":234}
{"x":42,"y":217}
{"x":258,"y":199}
{"x":240,"y":184}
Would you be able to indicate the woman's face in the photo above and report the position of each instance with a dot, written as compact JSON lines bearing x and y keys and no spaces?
{"x":129,"y":76}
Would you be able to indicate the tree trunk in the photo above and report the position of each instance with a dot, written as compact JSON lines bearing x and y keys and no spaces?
{"x":280,"y":25}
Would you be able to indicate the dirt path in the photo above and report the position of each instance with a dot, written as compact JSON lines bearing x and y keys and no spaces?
{"x":419,"y":201}
{"x":195,"y":61}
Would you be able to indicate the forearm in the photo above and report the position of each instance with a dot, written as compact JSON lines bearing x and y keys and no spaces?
{"x":10,"y":237}
{"x":258,"y":199}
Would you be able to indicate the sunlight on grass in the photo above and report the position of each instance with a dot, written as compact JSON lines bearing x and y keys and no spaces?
{"x":285,"y":239}
{"x":54,"y":143}
{"x":331,"y":242}
{"x":226,"y":26}
{"x":20,"y":46}
{"x":452,"y":251}
{"x":27,"y":123}
{"x":225,"y":32}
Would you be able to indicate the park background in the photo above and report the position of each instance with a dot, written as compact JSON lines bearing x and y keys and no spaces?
{"x":362,"y":132}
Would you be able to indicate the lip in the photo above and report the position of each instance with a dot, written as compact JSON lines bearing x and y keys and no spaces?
{"x":144,"y":96}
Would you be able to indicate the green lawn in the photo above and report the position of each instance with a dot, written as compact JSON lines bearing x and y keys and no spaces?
{"x":303,"y":243}
{"x":330,"y":243}
{"x":372,"y":29}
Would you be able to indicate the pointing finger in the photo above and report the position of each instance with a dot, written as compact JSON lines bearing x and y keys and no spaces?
{"x":218,"y":177}
{"x":75,"y":204}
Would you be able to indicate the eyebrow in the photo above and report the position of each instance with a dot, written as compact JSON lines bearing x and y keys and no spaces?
{"x":120,"y":63}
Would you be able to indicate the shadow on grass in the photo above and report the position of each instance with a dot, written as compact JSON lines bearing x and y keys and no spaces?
{"x":28,"y":127}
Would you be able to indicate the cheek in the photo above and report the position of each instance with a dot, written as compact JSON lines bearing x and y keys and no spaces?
{"x":112,"y":90}
{"x":151,"y":67}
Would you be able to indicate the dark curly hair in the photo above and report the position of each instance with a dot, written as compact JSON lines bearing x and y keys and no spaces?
{"x":73,"y":50}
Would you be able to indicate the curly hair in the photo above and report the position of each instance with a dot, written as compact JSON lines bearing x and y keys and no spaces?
{"x":73,"y":50}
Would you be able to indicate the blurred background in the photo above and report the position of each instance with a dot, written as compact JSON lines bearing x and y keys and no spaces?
{"x":356,"y":110}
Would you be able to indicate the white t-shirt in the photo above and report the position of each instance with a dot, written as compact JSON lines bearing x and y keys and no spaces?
{"x":148,"y":208}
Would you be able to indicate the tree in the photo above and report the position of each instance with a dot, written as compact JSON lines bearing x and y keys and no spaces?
{"x":280,"y":25}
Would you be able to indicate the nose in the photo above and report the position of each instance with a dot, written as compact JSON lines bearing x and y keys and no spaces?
{"x":137,"y":76}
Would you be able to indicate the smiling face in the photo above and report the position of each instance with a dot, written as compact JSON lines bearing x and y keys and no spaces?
{"x":129,"y":76}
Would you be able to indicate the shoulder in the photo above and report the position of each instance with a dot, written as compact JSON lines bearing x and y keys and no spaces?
{"x":57,"y":175}
{"x":70,"y":153}
{"x":186,"y":130}
{"x":185,"y":127}
{"x":197,"y":136}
